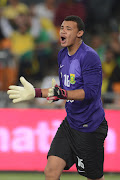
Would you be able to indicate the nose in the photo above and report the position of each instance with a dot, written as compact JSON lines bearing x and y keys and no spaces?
{"x":62,"y":31}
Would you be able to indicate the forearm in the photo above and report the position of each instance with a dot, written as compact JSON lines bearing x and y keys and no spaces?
{"x":78,"y":94}
{"x":44,"y":93}
{"x":41,"y":93}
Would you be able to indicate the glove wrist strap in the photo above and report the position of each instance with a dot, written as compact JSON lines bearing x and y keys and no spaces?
{"x":38,"y":92}
{"x":64,"y":94}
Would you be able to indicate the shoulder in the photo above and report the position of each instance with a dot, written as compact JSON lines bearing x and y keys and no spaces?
{"x":88,"y":50}
{"x":62,"y":54}
{"x":90,"y":55}
{"x":62,"y":51}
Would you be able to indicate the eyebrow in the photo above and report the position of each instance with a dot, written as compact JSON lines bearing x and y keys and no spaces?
{"x":66,"y":26}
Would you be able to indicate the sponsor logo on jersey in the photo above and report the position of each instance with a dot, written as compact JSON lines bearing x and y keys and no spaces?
{"x":61,"y":66}
{"x":72,"y":79}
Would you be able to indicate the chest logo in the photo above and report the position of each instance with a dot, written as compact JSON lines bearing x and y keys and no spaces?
{"x":72,"y":79}
{"x":61,"y":66}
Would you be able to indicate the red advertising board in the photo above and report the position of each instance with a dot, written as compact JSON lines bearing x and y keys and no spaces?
{"x":26,"y":135}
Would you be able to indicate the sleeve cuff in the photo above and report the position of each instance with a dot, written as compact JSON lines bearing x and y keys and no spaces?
{"x":38,"y":92}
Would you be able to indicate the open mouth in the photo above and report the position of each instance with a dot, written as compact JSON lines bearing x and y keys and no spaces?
{"x":63,"y":39}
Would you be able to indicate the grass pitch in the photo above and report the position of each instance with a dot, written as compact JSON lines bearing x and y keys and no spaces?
{"x":40,"y":176}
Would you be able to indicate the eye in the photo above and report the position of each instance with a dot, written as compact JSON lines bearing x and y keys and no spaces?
{"x":61,"y":27}
{"x":68,"y":29}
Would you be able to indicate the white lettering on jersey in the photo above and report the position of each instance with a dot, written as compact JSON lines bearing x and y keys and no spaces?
{"x":66,"y":80}
{"x":67,"y":83}
{"x":61,"y":74}
{"x":71,"y":101}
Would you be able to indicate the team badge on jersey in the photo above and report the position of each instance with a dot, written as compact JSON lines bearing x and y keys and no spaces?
{"x":72,"y":79}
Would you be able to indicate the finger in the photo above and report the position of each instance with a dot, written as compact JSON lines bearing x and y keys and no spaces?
{"x":15,"y":88}
{"x":50,"y":90}
{"x":50,"y":94}
{"x":50,"y":98}
{"x":53,"y":82}
{"x":12,"y":92}
{"x":17,"y":100}
{"x":24,"y":81}
{"x":14,"y":96}
{"x":50,"y":101}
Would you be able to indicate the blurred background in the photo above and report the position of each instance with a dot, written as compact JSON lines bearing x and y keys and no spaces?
{"x":29,"y":45}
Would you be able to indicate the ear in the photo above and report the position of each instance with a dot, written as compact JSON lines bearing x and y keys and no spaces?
{"x":80,"y":33}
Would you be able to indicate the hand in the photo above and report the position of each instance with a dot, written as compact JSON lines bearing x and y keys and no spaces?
{"x":51,"y":91}
{"x":18,"y":93}
{"x":56,"y":93}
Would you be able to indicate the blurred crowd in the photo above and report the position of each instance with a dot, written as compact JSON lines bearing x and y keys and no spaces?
{"x":29,"y":40}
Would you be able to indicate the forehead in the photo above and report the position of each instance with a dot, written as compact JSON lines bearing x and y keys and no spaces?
{"x":71,"y":24}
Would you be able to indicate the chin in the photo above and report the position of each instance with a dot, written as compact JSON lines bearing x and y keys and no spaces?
{"x":64,"y":45}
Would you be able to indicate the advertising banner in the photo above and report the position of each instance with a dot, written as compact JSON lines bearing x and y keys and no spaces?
{"x":26,"y":135}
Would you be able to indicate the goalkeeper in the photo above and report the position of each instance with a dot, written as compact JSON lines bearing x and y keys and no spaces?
{"x":80,"y":137}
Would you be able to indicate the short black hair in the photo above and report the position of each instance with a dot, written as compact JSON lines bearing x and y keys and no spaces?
{"x":78,"y":20}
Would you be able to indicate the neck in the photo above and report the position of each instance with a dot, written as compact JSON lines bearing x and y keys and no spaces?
{"x":72,"y":49}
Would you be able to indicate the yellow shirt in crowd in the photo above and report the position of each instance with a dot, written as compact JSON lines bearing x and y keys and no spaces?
{"x":21,"y":43}
{"x":108,"y":67}
{"x":10,"y":12}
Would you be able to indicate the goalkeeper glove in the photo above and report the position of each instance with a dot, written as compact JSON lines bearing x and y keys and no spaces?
{"x":18,"y":93}
{"x":56,"y":93}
